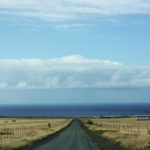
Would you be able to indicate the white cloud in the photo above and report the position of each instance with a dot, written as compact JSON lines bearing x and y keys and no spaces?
{"x":70,"y":72}
{"x":68,"y":26}
{"x":58,"y":10}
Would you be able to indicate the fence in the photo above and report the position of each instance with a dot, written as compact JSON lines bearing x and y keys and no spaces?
{"x":136,"y":129}
{"x":9,"y":133}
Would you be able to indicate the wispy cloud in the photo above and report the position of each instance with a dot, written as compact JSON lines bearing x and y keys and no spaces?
{"x":60,"y":10}
{"x":70,"y":72}
{"x":64,"y":27}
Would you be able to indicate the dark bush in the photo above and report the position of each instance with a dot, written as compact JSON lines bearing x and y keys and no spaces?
{"x":89,"y":122}
{"x":49,"y":125}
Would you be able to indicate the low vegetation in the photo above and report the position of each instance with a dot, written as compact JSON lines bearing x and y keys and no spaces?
{"x":126,"y":133}
{"x":18,"y":132}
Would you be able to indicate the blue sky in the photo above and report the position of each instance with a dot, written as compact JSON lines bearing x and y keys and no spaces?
{"x":116,"y":41}
{"x":74,"y":44}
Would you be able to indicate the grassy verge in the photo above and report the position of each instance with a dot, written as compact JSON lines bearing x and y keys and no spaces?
{"x":117,"y":139}
{"x":16,"y":133}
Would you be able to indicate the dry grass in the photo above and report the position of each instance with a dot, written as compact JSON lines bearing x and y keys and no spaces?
{"x":129,"y":133}
{"x":16,"y":132}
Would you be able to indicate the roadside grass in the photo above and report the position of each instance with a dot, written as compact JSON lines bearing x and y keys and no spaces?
{"x":117,"y":137}
{"x":102,"y":142}
{"x":18,"y":132}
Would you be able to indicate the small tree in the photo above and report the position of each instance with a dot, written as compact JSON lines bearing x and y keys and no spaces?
{"x":89,"y":122}
{"x":49,"y":125}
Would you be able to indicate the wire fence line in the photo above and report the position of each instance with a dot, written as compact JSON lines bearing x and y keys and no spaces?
{"x":134,"y":129}
{"x":7,"y":133}
{"x":10,"y":133}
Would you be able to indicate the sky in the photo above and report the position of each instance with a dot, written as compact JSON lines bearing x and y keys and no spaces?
{"x":74,"y":51}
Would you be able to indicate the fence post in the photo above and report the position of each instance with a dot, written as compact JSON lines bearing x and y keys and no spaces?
{"x":128,"y":127}
{"x":147,"y":130}
{"x":138,"y":129}
{"x":0,"y":137}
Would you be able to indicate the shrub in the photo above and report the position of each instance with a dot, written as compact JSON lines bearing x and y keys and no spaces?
{"x":89,"y":122}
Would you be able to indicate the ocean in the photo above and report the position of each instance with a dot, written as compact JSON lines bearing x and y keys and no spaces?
{"x":76,"y":110}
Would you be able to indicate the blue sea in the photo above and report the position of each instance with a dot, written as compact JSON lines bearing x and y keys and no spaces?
{"x":70,"y":110}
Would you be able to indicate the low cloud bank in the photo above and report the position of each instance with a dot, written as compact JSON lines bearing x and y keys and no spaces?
{"x":70,"y":72}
